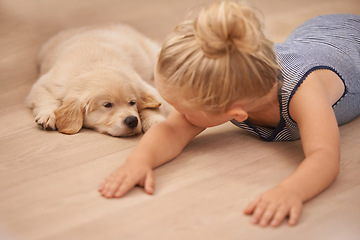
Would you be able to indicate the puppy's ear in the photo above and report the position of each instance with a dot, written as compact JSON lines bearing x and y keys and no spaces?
{"x":70,"y":116}
{"x":148,"y":100}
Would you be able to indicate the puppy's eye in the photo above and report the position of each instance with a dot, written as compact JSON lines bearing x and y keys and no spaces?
{"x":108,"y":105}
{"x":132,"y":103}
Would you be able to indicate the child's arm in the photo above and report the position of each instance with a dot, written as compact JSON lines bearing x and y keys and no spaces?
{"x":159,"y":145}
{"x":311,"y":108}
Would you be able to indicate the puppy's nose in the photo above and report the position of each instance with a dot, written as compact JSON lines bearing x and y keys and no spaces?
{"x":131,"y":121}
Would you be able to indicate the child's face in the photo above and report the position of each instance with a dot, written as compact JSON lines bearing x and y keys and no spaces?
{"x":195,"y":116}
{"x":198,"y":117}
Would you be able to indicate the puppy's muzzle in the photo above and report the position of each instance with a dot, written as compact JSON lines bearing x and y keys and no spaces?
{"x":131,"y":121}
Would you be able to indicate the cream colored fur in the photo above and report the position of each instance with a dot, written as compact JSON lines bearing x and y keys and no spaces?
{"x":97,"y":77}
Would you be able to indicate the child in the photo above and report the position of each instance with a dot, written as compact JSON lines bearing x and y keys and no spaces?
{"x":220,"y":67}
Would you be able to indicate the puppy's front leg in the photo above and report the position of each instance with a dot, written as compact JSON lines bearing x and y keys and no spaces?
{"x":150,"y":117}
{"x":43,"y":103}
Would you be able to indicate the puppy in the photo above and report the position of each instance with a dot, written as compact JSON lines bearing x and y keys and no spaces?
{"x":98,"y":78}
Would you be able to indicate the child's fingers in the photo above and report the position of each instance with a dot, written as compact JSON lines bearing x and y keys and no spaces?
{"x":149,"y":183}
{"x":112,"y":185}
{"x":279,"y":216}
{"x":259,"y":211}
{"x":294,"y":215}
{"x":268,"y":214}
{"x":105,"y":185}
{"x":125,"y":186}
{"x":101,"y":187}
{"x":251,"y":207}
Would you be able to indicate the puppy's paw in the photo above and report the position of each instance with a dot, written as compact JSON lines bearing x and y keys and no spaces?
{"x":46,"y":121}
{"x":147,"y":123}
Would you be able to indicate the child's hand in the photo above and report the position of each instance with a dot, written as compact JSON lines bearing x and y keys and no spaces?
{"x":273,"y":206}
{"x":125,"y":178}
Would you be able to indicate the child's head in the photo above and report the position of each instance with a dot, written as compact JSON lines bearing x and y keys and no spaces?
{"x":220,"y":57}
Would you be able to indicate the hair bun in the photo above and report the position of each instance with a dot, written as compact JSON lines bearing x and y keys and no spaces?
{"x":225,"y":26}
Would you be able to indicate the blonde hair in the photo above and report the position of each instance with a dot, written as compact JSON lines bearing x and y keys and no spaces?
{"x":221,"y":56}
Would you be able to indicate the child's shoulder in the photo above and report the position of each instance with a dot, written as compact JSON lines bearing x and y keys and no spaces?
{"x":326,"y":25}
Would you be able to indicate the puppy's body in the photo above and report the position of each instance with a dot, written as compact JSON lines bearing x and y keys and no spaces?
{"x":100,"y":78}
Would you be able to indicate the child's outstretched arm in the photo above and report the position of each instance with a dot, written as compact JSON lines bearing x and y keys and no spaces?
{"x":311,"y":108}
{"x":159,"y":145}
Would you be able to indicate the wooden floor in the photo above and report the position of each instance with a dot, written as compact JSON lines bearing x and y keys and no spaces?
{"x":48,"y":181}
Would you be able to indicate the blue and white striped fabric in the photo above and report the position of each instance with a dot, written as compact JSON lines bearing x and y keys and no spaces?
{"x":325,"y":42}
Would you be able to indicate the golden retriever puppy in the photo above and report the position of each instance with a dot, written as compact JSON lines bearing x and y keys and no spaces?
{"x":98,"y":78}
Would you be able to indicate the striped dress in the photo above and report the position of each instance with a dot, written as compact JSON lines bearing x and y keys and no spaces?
{"x":325,"y":42}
